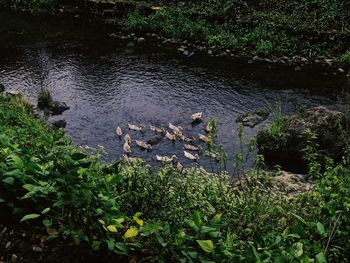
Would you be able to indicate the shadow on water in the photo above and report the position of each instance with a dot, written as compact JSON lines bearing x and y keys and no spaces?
{"x":107,"y":84}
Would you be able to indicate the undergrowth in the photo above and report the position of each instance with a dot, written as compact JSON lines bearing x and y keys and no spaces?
{"x":131,"y":208}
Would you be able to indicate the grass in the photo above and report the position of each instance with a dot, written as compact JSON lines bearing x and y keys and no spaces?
{"x":130,"y":208}
{"x":264,"y":27}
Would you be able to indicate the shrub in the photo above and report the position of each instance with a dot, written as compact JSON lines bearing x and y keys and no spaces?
{"x":345,"y":58}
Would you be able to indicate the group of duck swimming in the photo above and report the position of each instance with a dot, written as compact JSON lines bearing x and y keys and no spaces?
{"x":175,"y":133}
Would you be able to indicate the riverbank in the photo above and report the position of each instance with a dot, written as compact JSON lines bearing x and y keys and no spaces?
{"x":262,"y":32}
{"x":129,"y":208}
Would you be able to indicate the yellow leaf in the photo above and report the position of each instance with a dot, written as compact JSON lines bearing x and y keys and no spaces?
{"x":138,"y":221}
{"x":131,"y":232}
{"x":52,"y":231}
{"x":112,"y":228}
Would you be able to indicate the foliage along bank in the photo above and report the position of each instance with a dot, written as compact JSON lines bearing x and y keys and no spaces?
{"x":160,"y":214}
{"x":310,"y":29}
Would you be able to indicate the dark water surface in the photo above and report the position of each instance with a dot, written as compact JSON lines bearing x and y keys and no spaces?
{"x":107,"y":84}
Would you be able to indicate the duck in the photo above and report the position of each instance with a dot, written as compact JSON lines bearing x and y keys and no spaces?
{"x":176,"y":129}
{"x":154,"y":140}
{"x":133,"y":127}
{"x":127,"y":138}
{"x":156,"y":129}
{"x":127,"y":148}
{"x":187,"y":139}
{"x":166,"y":158}
{"x":170,"y":136}
{"x":143,"y":145}
{"x":209,"y":127}
{"x":214,"y":155}
{"x":179,"y":167}
{"x":190,"y":156}
{"x":197,"y":117}
{"x":119,"y":132}
{"x":192,"y":147}
{"x":204,"y":138}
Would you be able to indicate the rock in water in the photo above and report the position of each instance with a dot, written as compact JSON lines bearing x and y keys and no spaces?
{"x":285,"y":146}
{"x":2,"y":88}
{"x":59,"y":124}
{"x":252,"y":118}
{"x":58,"y":107}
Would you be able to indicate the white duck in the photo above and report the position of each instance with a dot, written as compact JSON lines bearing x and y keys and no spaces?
{"x":192,"y":147}
{"x":143,"y":145}
{"x":166,"y":158}
{"x":197,"y":117}
{"x":133,"y":127}
{"x":190,"y":156}
{"x":127,"y":138}
{"x":204,"y":138}
{"x":170,"y":136}
{"x":127,"y":148}
{"x":119,"y":132}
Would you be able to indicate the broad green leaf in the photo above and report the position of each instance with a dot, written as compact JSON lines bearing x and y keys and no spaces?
{"x":300,"y":218}
{"x":46,"y":210}
{"x":206,"y":245}
{"x":112,"y":228}
{"x":151,"y":228}
{"x":320,"y":229}
{"x":256,"y":255}
{"x":138,"y":214}
{"x":121,"y":248}
{"x":216,"y":219}
{"x":28,"y":187}
{"x":2,"y":200}
{"x":207,"y":229}
{"x":298,"y":250}
{"x":30,"y":216}
{"x":192,"y":225}
{"x":197,"y":218}
{"x":101,"y":221}
{"x":96,"y":245}
{"x":110,"y":244}
{"x":131,"y":232}
{"x":9,"y":180}
{"x":320,"y":258}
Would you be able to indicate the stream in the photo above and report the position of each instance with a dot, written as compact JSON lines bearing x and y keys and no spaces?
{"x":109,"y":82}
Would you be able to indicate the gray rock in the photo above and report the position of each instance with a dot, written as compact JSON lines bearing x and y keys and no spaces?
{"x":130,"y":45}
{"x":59,"y":123}
{"x":141,"y":40}
{"x":2,"y":88}
{"x":252,"y":118}
{"x":14,"y":258}
{"x":329,"y":61}
{"x":285,"y":147}
{"x":13,"y":92}
{"x":58,"y":107}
